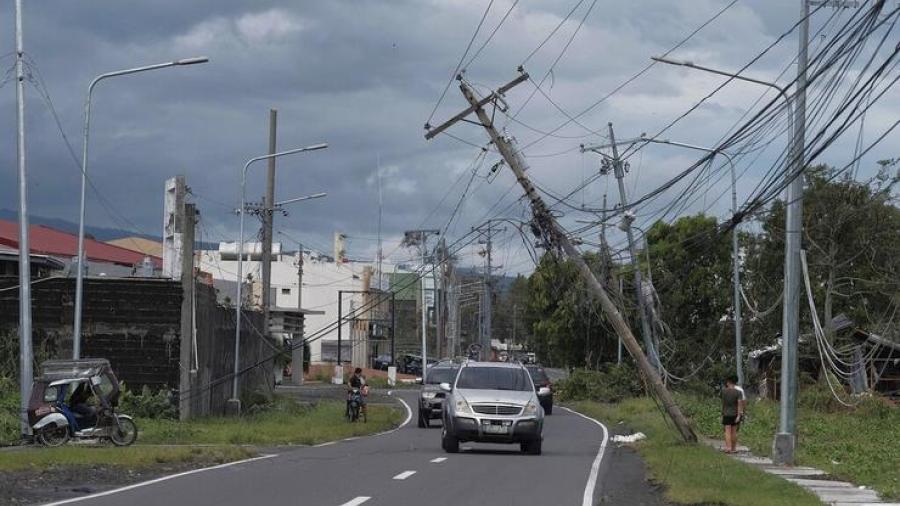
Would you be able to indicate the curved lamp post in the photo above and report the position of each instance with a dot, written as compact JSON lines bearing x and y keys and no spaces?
{"x":235,"y":399}
{"x":79,"y":278}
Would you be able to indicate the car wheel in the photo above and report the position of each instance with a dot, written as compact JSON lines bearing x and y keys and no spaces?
{"x":532,"y":447}
{"x":449,"y":442}
{"x":422,"y":422}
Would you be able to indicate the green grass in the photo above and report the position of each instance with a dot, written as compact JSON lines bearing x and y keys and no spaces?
{"x":860,"y":445}
{"x":286,"y":423}
{"x":695,"y":474}
{"x":131,"y":457}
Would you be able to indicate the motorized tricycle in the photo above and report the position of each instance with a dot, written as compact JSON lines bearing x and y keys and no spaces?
{"x":78,"y":399}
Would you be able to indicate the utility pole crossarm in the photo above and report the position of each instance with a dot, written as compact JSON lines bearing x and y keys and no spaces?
{"x":432,"y":132}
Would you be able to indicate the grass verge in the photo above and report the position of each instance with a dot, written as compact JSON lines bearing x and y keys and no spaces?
{"x":858,"y":445}
{"x":131,"y":457}
{"x":695,"y":474}
{"x":285,"y":423}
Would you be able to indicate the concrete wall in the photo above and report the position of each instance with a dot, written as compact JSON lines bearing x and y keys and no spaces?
{"x":135,"y":324}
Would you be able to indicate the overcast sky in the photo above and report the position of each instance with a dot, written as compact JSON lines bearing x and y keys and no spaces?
{"x":364,"y":76}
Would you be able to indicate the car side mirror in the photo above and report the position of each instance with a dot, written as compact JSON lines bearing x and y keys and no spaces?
{"x":446,"y":387}
{"x":543,"y":391}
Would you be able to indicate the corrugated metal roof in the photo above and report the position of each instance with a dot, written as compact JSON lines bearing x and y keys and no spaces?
{"x":49,"y":241}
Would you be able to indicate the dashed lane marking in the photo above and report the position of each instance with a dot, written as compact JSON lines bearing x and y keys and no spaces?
{"x":404,"y":475}
{"x":438,"y":460}
{"x":357,"y":501}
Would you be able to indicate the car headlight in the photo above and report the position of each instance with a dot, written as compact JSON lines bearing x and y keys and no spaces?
{"x":428,"y":395}
{"x":462,"y":406}
{"x":531,"y":408}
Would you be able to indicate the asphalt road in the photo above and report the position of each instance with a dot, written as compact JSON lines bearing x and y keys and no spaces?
{"x":407,"y":466}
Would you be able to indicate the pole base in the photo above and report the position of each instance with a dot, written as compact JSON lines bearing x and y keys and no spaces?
{"x":233,"y":407}
{"x":783,"y":448}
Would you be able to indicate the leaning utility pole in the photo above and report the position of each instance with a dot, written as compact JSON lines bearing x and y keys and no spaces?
{"x":267,"y":215}
{"x":627,"y":218}
{"x":25,"y":353}
{"x":554,"y":234}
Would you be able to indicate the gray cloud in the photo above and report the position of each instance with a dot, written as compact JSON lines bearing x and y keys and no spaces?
{"x":363,"y":76}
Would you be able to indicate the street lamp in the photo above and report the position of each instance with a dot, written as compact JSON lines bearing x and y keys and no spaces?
{"x":235,"y":401}
{"x":79,"y":278}
{"x":790,"y":324}
{"x":738,"y":346}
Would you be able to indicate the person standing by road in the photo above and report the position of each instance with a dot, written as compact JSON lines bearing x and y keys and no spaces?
{"x":732,"y":411}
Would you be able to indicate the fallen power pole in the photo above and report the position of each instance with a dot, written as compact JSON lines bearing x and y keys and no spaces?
{"x":554,"y":234}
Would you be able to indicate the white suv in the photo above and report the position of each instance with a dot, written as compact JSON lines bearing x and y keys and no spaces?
{"x":492,"y":402}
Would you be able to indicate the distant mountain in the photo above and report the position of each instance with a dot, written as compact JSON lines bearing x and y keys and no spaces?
{"x":98,"y":233}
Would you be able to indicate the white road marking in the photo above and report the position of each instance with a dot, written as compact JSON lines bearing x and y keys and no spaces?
{"x":326,"y":443}
{"x":588,"y":498}
{"x":404,"y":475}
{"x":356,"y":502}
{"x":157,"y":480}
{"x":438,"y":460}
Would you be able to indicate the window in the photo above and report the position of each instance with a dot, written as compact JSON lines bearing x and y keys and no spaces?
{"x":494,"y":378}
{"x":438,"y":375}
{"x":285,"y":291}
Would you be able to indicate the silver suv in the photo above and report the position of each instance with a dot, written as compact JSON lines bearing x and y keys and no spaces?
{"x":492,"y":402}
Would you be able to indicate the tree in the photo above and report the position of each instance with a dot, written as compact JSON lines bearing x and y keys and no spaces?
{"x":851,"y":233}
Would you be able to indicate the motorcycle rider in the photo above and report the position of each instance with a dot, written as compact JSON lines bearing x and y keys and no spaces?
{"x":358,"y":381}
{"x":80,"y":406}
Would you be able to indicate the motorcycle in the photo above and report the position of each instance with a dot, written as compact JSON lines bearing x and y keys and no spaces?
{"x":58,"y":410}
{"x":354,"y":405}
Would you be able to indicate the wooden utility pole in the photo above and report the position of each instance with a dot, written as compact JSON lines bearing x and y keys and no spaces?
{"x":554,"y":234}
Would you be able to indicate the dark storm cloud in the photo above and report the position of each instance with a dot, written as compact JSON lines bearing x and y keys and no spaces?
{"x":361,"y":75}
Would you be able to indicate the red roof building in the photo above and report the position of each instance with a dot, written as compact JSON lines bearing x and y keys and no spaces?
{"x":49,"y":241}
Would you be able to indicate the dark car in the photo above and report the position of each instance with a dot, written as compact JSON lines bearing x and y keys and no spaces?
{"x":431,"y":397}
{"x":540,"y":379}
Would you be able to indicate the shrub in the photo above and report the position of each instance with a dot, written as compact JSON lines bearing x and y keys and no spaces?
{"x":611,"y":385}
{"x":9,"y":410}
{"x":147,"y":404}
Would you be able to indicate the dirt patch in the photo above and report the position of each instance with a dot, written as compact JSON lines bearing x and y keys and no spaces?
{"x":66,"y":482}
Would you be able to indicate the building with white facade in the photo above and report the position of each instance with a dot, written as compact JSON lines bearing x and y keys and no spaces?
{"x":322,"y":279}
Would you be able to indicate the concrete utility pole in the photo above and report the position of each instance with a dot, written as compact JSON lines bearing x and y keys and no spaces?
{"x":26,"y":375}
{"x":187,"y":371}
{"x":488,"y":300}
{"x":604,"y":258}
{"x":556,"y":235}
{"x":297,"y":348}
{"x":420,"y":238}
{"x":646,"y":331}
{"x":785,"y":442}
{"x":268,"y":213}
{"x":735,"y":249}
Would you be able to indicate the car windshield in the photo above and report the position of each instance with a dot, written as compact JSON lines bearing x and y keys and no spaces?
{"x":494,"y":378}
{"x":438,"y":375}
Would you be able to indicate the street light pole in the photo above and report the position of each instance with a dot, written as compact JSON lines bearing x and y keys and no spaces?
{"x":25,"y":337}
{"x":785,"y":440}
{"x":79,"y":277}
{"x":235,"y":401}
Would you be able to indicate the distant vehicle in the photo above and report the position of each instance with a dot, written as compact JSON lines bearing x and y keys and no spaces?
{"x":78,"y":399}
{"x":382,"y":362}
{"x":492,"y":402}
{"x":431,"y":397}
{"x":542,"y":384}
